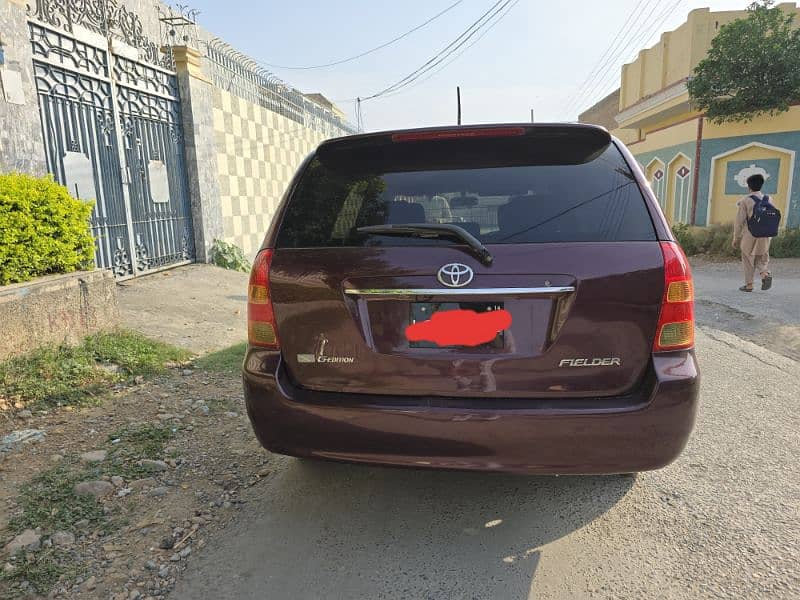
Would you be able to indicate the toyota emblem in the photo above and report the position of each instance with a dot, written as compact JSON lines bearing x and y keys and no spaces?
{"x":455,"y":275}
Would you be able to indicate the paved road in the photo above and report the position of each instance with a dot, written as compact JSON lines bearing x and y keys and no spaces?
{"x":721,"y":522}
{"x":771,"y":319}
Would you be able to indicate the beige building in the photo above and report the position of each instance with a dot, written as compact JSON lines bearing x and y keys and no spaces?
{"x":696,"y":168}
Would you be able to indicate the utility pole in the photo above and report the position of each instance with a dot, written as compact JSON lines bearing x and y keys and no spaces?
{"x":458,"y":100}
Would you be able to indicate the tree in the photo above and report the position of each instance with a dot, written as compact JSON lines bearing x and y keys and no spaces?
{"x":752,"y":68}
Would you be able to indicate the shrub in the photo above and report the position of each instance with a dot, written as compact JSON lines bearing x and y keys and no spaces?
{"x":229,"y":256}
{"x":686,"y":239}
{"x":787,"y":244}
{"x":716,"y":241}
{"x":43,"y":230}
{"x":720,"y":240}
{"x":704,"y":240}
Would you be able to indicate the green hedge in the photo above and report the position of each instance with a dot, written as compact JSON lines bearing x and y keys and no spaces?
{"x":716,"y":241}
{"x":43,"y":230}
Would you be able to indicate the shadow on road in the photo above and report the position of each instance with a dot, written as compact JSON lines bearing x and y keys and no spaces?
{"x":326,"y":530}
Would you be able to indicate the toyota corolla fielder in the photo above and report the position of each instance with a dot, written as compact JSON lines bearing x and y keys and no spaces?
{"x":501,"y":298}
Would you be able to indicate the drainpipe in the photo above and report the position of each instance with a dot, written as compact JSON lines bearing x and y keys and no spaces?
{"x":697,"y":151}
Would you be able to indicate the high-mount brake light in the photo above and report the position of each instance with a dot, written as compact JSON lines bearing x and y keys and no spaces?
{"x":261,"y":327}
{"x":676,"y":321}
{"x":451,"y":134}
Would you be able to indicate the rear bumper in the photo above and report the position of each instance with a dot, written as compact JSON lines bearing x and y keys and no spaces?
{"x":645,"y":430}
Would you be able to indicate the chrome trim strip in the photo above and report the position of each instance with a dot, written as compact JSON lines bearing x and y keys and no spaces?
{"x":394,"y":292}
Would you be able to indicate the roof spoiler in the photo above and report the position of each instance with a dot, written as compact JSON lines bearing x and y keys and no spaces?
{"x":473,"y":145}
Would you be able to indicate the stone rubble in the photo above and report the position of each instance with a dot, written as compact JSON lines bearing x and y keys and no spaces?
{"x":15,"y":439}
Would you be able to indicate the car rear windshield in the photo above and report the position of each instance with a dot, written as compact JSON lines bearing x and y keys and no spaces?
{"x":592,"y":198}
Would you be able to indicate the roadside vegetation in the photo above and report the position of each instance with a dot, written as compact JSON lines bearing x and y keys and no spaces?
{"x":715,"y":241}
{"x":83,"y":374}
{"x":43,"y":230}
{"x":229,"y":256}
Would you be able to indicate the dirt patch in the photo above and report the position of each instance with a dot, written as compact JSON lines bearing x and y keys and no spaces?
{"x":172,"y":460}
{"x":198,"y":307}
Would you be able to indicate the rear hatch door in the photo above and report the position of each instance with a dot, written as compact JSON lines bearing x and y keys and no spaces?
{"x":575,"y":267}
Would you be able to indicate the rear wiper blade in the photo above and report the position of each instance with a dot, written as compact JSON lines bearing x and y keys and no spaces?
{"x":433,"y":230}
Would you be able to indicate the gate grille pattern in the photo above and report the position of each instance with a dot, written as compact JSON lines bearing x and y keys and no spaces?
{"x":112,"y":130}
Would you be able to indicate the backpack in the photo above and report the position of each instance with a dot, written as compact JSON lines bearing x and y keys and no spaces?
{"x":765,"y":220}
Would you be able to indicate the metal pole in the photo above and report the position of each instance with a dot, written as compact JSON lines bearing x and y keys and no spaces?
{"x":458,"y":98}
{"x":531,"y":115}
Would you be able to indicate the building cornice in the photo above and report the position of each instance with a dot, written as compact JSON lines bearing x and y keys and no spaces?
{"x":632,"y":114}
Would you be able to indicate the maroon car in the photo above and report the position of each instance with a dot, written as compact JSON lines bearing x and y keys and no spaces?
{"x":505,"y":298}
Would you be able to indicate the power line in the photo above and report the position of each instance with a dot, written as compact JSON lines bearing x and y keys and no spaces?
{"x":611,"y":47}
{"x":611,"y":63}
{"x":643,"y":37}
{"x":450,"y":49}
{"x":445,"y":52}
{"x":624,"y":35}
{"x":453,"y":58}
{"x":371,"y":50}
{"x":612,"y":59}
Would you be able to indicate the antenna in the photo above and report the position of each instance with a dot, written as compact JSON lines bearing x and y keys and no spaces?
{"x":458,"y":99}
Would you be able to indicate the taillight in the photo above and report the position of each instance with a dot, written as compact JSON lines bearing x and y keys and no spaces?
{"x":261,"y":328}
{"x":676,"y":321}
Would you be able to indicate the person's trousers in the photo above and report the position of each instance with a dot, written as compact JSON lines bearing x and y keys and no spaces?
{"x":755,"y":256}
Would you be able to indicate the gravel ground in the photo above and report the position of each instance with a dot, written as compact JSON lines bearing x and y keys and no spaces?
{"x":721,"y":522}
{"x":210,"y":466}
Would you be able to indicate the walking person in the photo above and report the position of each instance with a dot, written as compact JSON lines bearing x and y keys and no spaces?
{"x":755,"y":248}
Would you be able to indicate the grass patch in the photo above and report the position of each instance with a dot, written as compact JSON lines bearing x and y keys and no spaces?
{"x":133,"y":352}
{"x":135,"y":443}
{"x":73,"y":375}
{"x":46,"y":568}
{"x":143,"y":441}
{"x":228,"y":360}
{"x":53,"y":376}
{"x":48,"y":501}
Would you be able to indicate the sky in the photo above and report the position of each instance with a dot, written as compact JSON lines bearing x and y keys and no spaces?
{"x":555,"y":58}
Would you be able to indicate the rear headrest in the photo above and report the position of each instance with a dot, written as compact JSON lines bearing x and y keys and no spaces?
{"x":515,"y":214}
{"x":405,"y":212}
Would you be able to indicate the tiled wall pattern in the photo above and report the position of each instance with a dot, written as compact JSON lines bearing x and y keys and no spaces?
{"x":258,"y":152}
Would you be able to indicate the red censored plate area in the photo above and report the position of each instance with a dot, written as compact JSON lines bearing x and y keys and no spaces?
{"x":460,"y":327}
